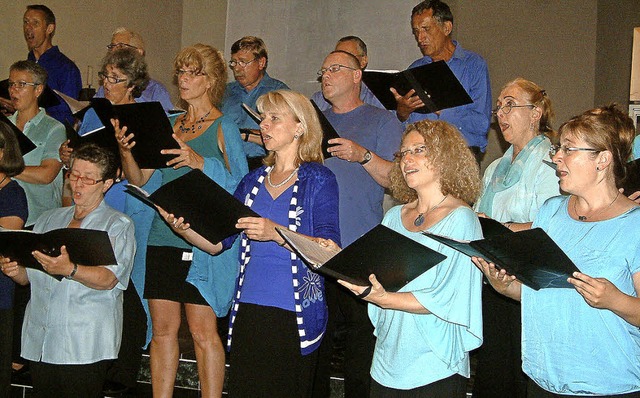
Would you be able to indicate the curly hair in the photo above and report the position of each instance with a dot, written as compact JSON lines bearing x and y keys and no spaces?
{"x":450,"y":158}
{"x":606,"y":128}
{"x":132,"y":64}
{"x":298,"y":106}
{"x":208,"y":60}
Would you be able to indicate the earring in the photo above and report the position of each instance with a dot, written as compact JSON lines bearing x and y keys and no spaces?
{"x":295,"y":137}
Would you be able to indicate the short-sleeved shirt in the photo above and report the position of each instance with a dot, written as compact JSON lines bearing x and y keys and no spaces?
{"x":414,"y":350}
{"x":67,"y":322}
{"x":48,"y":134}
{"x":13,"y":203}
{"x":569,"y":347}
{"x":361,"y":196}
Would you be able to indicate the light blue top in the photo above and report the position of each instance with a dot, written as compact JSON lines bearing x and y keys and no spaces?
{"x":569,"y":347}
{"x":414,"y":350}
{"x":365,"y":95}
{"x":48,"y":134}
{"x":67,"y":322}
{"x":361,"y":196}
{"x":235,"y":95}
{"x":472,"y":119}
{"x":155,"y":91}
{"x":533,"y":183}
{"x":636,"y":147}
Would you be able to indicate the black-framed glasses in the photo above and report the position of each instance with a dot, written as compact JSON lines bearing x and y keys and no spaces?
{"x":120,"y":45}
{"x":420,"y":150}
{"x":333,"y":69}
{"x":566,"y":149}
{"x":21,"y":84}
{"x":506,"y":108}
{"x":85,"y":180}
{"x":190,"y":73}
{"x":243,"y":64}
{"x":110,"y":79}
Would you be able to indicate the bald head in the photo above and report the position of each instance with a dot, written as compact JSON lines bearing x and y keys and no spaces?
{"x":356,"y":47}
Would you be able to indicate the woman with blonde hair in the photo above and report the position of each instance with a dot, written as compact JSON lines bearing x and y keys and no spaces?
{"x":279,"y":313}
{"x":426,"y":330}
{"x":177,"y":273}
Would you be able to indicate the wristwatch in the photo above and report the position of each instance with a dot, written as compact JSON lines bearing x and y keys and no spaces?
{"x":367,"y":157}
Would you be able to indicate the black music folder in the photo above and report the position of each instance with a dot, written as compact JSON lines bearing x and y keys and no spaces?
{"x":328,"y":131}
{"x":147,"y":121}
{"x":25,"y":144}
{"x":491,"y":227}
{"x":434,"y":83}
{"x":531,"y":255}
{"x":210,"y":210}
{"x":631,"y":184}
{"x":255,"y":116}
{"x":394,"y":258}
{"x":85,"y":246}
{"x":47,"y":99}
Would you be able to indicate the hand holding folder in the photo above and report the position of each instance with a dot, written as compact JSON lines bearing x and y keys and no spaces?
{"x":395,"y":259}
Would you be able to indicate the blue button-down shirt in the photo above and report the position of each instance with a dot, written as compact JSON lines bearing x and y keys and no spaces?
{"x":235,"y":95}
{"x":472,"y":119}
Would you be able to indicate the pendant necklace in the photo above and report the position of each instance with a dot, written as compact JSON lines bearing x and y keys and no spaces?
{"x":420,"y":219}
{"x":286,"y":180}
{"x":584,"y":218}
{"x":198,"y":123}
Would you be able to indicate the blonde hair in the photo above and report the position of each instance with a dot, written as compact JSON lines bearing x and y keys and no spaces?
{"x":449,"y":156}
{"x":537,"y":96}
{"x":204,"y":59}
{"x":298,"y":106}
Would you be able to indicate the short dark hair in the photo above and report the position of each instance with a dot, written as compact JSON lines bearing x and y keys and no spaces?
{"x":49,"y":16}
{"x":132,"y":64}
{"x":39,"y":73}
{"x":104,"y":158}
{"x":253,"y":44}
{"x":441,"y":11}
{"x":11,"y":163}
{"x":362,"y":46}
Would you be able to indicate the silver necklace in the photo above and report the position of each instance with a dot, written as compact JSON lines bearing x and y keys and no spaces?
{"x":420,"y":219}
{"x":584,"y":218}
{"x":286,"y":180}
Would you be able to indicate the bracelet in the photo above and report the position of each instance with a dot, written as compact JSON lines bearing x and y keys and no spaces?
{"x":73,"y":273}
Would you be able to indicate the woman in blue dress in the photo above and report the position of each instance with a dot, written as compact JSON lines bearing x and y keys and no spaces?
{"x":585,"y":341}
{"x":279,"y":313}
{"x":426,"y":330}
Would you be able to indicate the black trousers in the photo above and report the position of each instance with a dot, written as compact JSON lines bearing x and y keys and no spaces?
{"x":265,"y":357}
{"x":452,"y":387}
{"x":64,"y":381}
{"x":126,"y":367}
{"x":6,"y":331}
{"x":535,"y":391}
{"x":348,"y":311}
{"x":21,"y":299}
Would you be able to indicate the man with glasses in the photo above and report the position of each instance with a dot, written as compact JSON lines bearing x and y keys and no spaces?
{"x":358,"y":48}
{"x":155,"y":91}
{"x":432,"y":23}
{"x":248,"y":63}
{"x":39,"y":26}
{"x":361,"y":160}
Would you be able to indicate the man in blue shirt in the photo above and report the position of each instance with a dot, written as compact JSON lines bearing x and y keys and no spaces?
{"x":361,"y":160}
{"x":39,"y":26}
{"x":155,"y":91}
{"x":432,"y":23}
{"x":358,"y":48}
{"x":249,"y":66}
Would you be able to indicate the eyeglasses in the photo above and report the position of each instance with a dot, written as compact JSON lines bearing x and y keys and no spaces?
{"x":506,"y":108}
{"x":21,"y":84}
{"x":120,"y":45}
{"x":85,"y":180}
{"x":420,"y":150}
{"x":333,"y":69}
{"x":242,"y":64}
{"x":111,"y":79}
{"x":190,"y":73}
{"x":566,"y":149}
